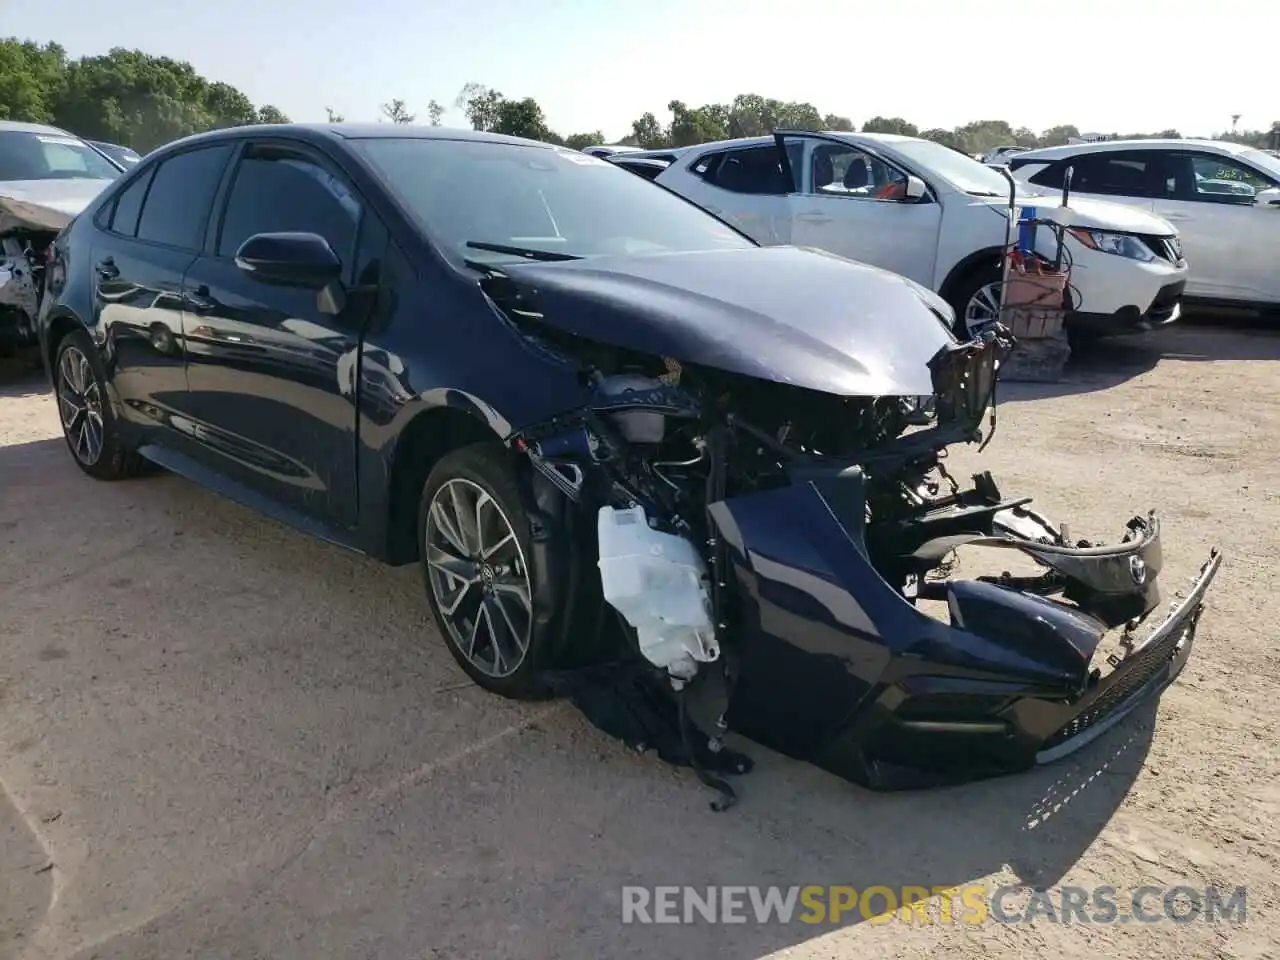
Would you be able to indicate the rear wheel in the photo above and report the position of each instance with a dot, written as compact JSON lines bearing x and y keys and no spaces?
{"x":88,"y":422}
{"x":481,"y":571}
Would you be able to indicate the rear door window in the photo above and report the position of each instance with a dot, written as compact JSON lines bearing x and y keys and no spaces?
{"x":176,"y":210}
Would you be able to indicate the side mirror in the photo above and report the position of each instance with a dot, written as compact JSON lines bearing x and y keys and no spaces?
{"x":1268,"y":198}
{"x":916,"y":190}
{"x":290,"y":259}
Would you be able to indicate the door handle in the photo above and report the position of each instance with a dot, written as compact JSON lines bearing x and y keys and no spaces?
{"x":198,"y":302}
{"x":814,"y":217}
{"x":107,"y":269}
{"x":1173,"y":216}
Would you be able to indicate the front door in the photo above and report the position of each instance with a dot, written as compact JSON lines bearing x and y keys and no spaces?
{"x":269,"y":368}
{"x":854,"y":204}
{"x":1229,"y":238}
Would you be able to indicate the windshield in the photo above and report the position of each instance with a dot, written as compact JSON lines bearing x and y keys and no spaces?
{"x":51,"y":156}
{"x":960,"y":170}
{"x":553,"y":200}
{"x":1263,"y":161}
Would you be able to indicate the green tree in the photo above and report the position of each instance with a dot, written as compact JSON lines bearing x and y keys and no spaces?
{"x":580,"y":141}
{"x":334,"y":116}
{"x":890,"y":125}
{"x":1057,"y":136}
{"x":700,"y":125}
{"x":31,"y":80}
{"x":646,"y":132}
{"x":269,"y":114}
{"x":435,"y":110}
{"x":833,"y":122}
{"x":481,"y":104}
{"x":522,"y":118}
{"x":396,"y":112}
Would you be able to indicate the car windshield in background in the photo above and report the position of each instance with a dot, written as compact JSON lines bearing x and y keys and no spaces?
{"x":121,"y":155}
{"x":51,"y":156}
{"x":1263,"y":161}
{"x":553,"y":201}
{"x":961,"y":171}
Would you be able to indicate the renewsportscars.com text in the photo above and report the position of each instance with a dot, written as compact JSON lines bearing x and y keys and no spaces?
{"x":969,"y":904}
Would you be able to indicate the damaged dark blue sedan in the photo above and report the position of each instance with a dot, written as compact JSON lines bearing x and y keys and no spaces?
{"x":693,"y":484}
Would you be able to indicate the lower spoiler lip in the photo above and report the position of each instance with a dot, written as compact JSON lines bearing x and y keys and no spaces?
{"x":1144,"y":672}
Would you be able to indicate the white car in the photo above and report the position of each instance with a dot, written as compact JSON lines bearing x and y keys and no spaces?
{"x":608,"y":149}
{"x":1224,"y":199}
{"x":929,"y":213}
{"x":1001,"y":155}
{"x":47,"y":176}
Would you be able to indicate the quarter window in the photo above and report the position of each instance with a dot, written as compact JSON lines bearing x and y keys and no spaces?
{"x":1116,"y":174}
{"x":753,"y":170}
{"x":182,"y":189}
{"x":124,"y":220}
{"x":279,"y":190}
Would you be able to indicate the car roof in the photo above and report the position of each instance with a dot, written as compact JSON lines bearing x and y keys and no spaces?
{"x":1108,"y":146}
{"x":357,"y":131}
{"x":767,"y":139}
{"x":17,"y":126}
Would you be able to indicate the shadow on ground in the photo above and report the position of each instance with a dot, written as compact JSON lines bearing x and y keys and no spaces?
{"x":512,"y":845}
{"x":1108,"y":363}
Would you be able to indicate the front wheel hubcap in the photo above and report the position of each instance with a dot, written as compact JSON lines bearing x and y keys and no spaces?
{"x":80,"y":406}
{"x":478,"y":577}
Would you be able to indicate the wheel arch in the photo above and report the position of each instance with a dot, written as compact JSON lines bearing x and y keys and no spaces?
{"x":61,"y":322}
{"x":975,"y":261}
{"x":428,"y":436}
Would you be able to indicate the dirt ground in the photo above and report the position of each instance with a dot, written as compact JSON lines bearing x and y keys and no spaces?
{"x":219,"y":738}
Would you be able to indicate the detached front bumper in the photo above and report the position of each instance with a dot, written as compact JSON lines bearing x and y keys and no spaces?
{"x":838,"y":669}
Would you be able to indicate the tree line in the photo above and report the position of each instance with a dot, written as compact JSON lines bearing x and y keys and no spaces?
{"x":142,"y":101}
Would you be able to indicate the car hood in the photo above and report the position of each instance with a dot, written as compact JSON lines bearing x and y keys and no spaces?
{"x":64,"y":196}
{"x":1102,"y":214}
{"x":787,"y":314}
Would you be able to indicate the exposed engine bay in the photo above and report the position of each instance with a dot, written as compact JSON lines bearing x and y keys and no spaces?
{"x":27,"y":231}
{"x":773,"y":544}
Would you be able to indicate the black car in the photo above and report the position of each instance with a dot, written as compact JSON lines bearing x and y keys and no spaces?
{"x":641,"y":460}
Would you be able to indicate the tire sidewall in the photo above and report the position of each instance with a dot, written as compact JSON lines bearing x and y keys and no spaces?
{"x":113,"y":461}
{"x":971,"y":284}
{"x":490,"y":466}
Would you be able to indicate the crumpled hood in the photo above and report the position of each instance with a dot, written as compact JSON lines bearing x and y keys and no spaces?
{"x":65,"y":196}
{"x":787,"y":314}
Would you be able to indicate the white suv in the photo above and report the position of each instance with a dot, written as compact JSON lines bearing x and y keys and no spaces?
{"x":928,"y":212}
{"x":1223,"y":197}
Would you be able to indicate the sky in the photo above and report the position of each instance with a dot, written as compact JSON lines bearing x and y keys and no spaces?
{"x":1104,"y":65}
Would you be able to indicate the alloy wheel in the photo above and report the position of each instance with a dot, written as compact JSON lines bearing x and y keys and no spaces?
{"x":479,"y":578}
{"x":983,"y":309}
{"x":80,"y":406}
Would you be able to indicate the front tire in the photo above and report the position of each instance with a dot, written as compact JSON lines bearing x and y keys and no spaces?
{"x":89,"y":423}
{"x":481,"y":572}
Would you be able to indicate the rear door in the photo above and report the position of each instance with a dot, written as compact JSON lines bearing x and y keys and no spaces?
{"x":1229,"y":240}
{"x":271,"y":372}
{"x":852,"y":202}
{"x":744,"y":186}
{"x":149,"y":236}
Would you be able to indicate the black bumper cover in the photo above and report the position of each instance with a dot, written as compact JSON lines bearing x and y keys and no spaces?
{"x":838,"y":669}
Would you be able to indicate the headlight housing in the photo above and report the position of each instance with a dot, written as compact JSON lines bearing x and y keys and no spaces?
{"x":1120,"y":244}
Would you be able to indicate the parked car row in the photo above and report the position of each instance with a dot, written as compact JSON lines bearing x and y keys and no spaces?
{"x":641,"y":458}
{"x":929,"y":213}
